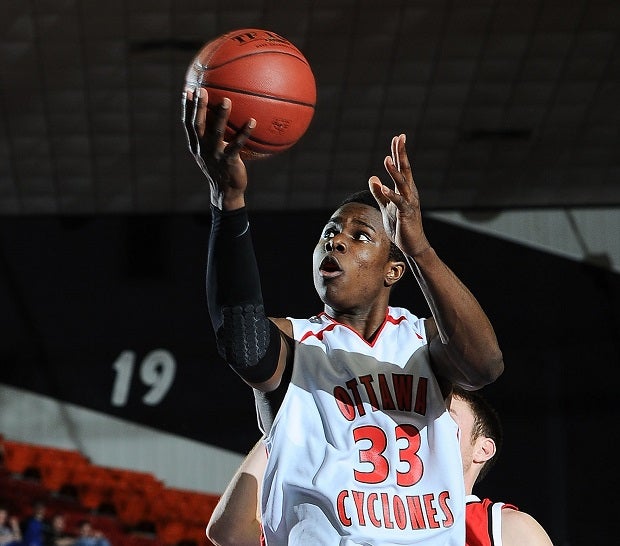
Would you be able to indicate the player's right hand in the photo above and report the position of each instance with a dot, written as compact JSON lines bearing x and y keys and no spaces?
{"x":219,"y":160}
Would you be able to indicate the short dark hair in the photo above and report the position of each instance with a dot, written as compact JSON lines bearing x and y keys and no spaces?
{"x":365,"y":197}
{"x":487,"y":423}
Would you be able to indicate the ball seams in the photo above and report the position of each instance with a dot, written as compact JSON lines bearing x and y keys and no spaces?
{"x":207,"y":86}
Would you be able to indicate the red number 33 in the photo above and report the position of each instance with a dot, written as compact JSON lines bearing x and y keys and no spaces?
{"x":380,"y":464}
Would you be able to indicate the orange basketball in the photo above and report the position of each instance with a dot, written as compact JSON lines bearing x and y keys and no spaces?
{"x":267,"y":78}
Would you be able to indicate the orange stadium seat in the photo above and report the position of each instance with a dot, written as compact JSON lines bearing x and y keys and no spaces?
{"x":136,"y":480}
{"x":133,"y":508}
{"x":18,"y":456}
{"x":197,"y":507}
{"x":139,"y":502}
{"x":71,"y":457}
{"x":93,"y":484}
{"x":172,"y":531}
{"x":54,"y":473}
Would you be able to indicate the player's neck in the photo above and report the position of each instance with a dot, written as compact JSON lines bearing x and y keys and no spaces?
{"x":366,"y":324}
{"x":469,"y":480}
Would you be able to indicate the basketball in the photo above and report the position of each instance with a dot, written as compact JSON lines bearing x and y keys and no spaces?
{"x":267,"y":78}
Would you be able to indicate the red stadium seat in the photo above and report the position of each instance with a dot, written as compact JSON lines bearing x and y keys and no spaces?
{"x":139,"y":502}
{"x":18,"y":456}
{"x":54,"y":473}
{"x":172,"y":532}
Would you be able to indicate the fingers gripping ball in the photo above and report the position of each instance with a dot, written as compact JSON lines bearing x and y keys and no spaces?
{"x":267,"y":78}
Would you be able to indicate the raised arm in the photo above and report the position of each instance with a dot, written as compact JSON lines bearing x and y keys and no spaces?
{"x":462,"y":342}
{"x":246,"y":338}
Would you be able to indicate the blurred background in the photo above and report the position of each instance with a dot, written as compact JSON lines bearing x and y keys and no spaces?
{"x":510,"y":108}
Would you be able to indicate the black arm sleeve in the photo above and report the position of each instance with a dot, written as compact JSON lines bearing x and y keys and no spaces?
{"x":268,"y":403}
{"x":246,"y":338}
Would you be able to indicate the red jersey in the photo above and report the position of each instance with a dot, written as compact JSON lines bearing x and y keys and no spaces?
{"x":483,"y":521}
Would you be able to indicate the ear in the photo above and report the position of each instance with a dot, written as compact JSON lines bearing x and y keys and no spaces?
{"x":394,"y":273}
{"x":485,"y":449}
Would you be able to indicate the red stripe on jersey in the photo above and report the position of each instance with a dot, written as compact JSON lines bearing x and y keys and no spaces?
{"x":388,"y":318}
{"x":398,"y":320}
{"x":319,"y":334}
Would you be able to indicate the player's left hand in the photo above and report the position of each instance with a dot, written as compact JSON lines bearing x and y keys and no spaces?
{"x":400,"y":207}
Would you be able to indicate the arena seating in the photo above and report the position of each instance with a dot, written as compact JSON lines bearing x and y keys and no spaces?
{"x":132,"y":508}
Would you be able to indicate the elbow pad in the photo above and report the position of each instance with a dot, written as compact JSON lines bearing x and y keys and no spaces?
{"x":246,"y":338}
{"x":249,"y":342}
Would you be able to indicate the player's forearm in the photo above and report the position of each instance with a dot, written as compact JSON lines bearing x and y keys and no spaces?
{"x":246,"y":338}
{"x":468,"y":348}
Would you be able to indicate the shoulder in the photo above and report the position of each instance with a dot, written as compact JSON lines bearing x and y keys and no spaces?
{"x":520,"y":528}
{"x":403,"y":312}
{"x":400,"y":315}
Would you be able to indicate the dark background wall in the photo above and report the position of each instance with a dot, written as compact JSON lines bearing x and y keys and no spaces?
{"x":79,"y":293}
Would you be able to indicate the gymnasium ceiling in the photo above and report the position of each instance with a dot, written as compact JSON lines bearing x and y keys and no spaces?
{"x":506,"y":103}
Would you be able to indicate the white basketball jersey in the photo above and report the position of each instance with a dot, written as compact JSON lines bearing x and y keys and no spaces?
{"x":362,"y":450}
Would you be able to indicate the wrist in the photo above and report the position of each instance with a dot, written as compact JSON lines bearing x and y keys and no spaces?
{"x":420,"y":250}
{"x":421,"y":253}
{"x":230,"y":224}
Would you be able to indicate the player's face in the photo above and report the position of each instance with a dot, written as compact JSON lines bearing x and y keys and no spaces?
{"x":351,"y":258}
{"x":464,"y":417}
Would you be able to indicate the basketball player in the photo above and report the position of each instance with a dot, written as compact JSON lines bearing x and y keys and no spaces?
{"x":488,"y":523}
{"x":236,"y":518}
{"x":362,"y":449}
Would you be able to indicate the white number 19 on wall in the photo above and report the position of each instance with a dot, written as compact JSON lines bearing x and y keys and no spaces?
{"x":157,"y":370}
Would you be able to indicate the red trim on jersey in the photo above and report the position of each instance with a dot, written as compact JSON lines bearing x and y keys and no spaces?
{"x":479,"y":522}
{"x":388,"y":318}
{"x":319,"y":334}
